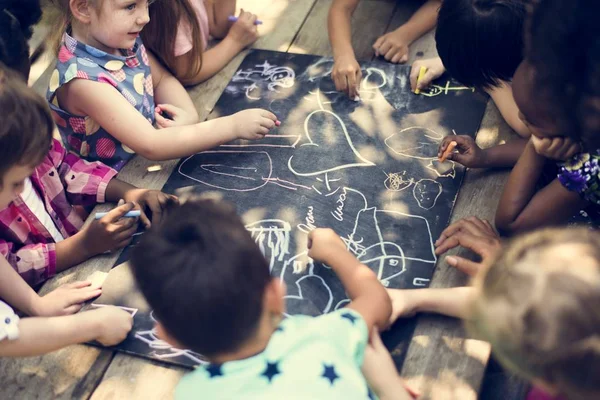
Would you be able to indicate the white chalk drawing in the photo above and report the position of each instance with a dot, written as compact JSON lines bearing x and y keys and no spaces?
{"x":424,"y":145}
{"x":397,"y":181}
{"x":237,"y":178}
{"x":444,"y":169}
{"x":162,"y":349}
{"x":425,"y":191}
{"x":272,"y":234}
{"x":421,"y":282}
{"x":293,"y":167}
{"x":130,"y":310}
{"x":436,"y":90}
{"x":272,"y":76}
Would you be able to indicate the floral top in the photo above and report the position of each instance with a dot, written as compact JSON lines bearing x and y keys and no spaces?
{"x":581,"y":174}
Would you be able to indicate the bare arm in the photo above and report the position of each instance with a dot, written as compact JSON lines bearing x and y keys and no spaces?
{"x":422,"y":21}
{"x":218,"y":12}
{"x":42,"y":335}
{"x":339,"y":27}
{"x":522,"y":208}
{"x":168,"y":90}
{"x":368,"y":296}
{"x":15,"y":291}
{"x":503,"y":98}
{"x":453,"y":302}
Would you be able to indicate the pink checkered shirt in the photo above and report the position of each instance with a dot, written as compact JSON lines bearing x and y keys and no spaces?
{"x":63,"y":180}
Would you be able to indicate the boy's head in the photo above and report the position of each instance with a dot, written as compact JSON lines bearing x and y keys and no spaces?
{"x":16,"y":20}
{"x":557,"y":87}
{"x":480,"y":42}
{"x":25,"y":133}
{"x":205,"y":278}
{"x":537,"y":304}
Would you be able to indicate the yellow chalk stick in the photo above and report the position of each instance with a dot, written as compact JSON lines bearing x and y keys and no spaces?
{"x":422,"y":73}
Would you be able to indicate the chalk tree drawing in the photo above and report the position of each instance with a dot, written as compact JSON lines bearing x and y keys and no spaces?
{"x":272,"y":77}
{"x":163,"y":350}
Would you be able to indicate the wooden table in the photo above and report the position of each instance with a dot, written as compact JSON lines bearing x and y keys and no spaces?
{"x":442,"y":361}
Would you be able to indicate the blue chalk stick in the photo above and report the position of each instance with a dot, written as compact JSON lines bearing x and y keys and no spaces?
{"x":233,"y":18}
{"x":130,"y":214}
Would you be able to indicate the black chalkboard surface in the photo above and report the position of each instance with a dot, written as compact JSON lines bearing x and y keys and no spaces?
{"x":368,"y":169}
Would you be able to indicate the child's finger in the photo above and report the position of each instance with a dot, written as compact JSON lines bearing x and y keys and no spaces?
{"x":397,"y":57}
{"x":80,"y":296}
{"x":352,"y":86}
{"x":78,"y":285}
{"x":427,"y":79}
{"x":144,"y":219}
{"x":170,"y":109}
{"x":72,"y":309}
{"x":161,"y":121}
{"x":404,"y":58}
{"x":462,"y":264}
{"x":377,"y":45}
{"x":414,"y":75}
{"x":117,"y":213}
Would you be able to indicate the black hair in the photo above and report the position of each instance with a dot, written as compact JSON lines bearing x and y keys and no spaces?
{"x":16,"y":20}
{"x":563,"y":47}
{"x":204,"y":276}
{"x":480,"y":42}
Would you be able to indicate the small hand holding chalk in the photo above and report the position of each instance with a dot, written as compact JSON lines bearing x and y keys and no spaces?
{"x":277,"y":123}
{"x":243,"y":32}
{"x":323,"y":243}
{"x":469,"y":154}
{"x":110,"y":232}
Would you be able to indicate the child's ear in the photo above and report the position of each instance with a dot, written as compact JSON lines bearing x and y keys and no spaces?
{"x":162,"y":334}
{"x":274,"y":296}
{"x":81,"y":10}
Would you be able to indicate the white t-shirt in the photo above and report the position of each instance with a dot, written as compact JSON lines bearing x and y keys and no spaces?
{"x":33,"y":200}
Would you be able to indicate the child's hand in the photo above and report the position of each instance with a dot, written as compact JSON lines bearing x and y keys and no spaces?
{"x":110,"y":232}
{"x":474,"y":234}
{"x":253,"y":124}
{"x":66,"y":299}
{"x":346,"y":75}
{"x":322,"y":243}
{"x":115,"y":324}
{"x":469,"y":154}
{"x":556,"y":148}
{"x":435,"y":69}
{"x":244,"y":31}
{"x":380,"y":371}
{"x":155,"y":200}
{"x":393,"y":46}
{"x":179,"y":117}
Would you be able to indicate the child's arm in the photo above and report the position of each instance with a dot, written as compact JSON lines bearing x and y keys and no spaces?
{"x":503,"y":98}
{"x":107,"y":325}
{"x":522,"y":208}
{"x":168,"y":91}
{"x":346,"y":72}
{"x":453,"y":302}
{"x":66,"y":299}
{"x":113,"y":112}
{"x":380,"y":371}
{"x":368,"y":297}
{"x":242,"y":34}
{"x":471,"y":155}
{"x":218,"y":12}
{"x":393,"y":46}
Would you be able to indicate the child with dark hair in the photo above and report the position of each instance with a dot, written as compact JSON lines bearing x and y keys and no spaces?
{"x":211,"y":291}
{"x":480,"y":43}
{"x":557,"y":91}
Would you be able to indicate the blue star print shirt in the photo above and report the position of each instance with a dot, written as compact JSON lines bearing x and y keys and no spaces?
{"x":306,"y":358}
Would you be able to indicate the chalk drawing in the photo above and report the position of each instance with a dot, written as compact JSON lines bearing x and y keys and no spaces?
{"x":436,"y":90}
{"x":274,"y":235}
{"x":130,"y":310}
{"x":254,"y":79}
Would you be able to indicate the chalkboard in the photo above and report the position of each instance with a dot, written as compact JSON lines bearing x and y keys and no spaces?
{"x":368,"y":169}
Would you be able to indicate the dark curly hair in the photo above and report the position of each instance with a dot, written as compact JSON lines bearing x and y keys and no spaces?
{"x":17,"y":18}
{"x":563,"y":47}
{"x":480,"y":42}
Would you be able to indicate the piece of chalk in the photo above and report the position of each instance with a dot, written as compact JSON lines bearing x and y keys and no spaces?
{"x":130,"y":214}
{"x":277,"y":123}
{"x":448,"y":150}
{"x":422,"y":73}
{"x":356,"y":98}
{"x":233,"y":18}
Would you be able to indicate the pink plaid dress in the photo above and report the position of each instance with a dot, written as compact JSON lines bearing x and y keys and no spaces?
{"x":62,"y":180}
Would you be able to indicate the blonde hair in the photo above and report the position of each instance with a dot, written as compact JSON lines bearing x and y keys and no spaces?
{"x":62,"y":17}
{"x":160,"y":33}
{"x":538,"y":305}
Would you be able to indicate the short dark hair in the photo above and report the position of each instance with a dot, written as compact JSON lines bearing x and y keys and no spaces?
{"x":480,"y":42}
{"x":16,"y":20}
{"x":26,"y":128}
{"x":563,"y":47}
{"x":204,"y":276}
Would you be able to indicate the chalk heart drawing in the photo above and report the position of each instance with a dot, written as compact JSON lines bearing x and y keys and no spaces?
{"x":323,"y":130}
{"x":240,"y":171}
